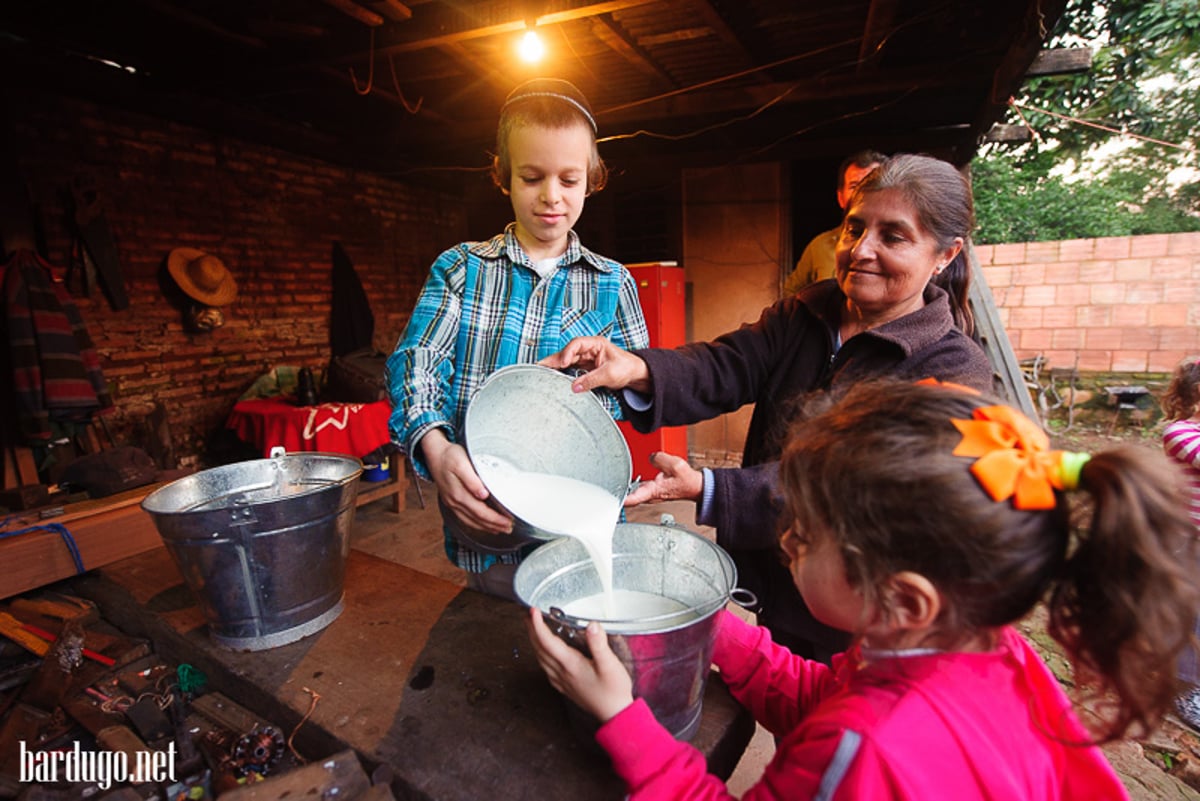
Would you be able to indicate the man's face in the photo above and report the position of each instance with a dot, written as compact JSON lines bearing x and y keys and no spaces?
{"x":850,"y":180}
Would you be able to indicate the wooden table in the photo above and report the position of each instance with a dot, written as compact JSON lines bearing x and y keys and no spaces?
{"x":437,"y":682}
{"x":354,"y":429}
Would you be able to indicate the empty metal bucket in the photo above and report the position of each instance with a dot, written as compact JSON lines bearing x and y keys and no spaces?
{"x":262,"y":544}
{"x":668,"y":656}
{"x":527,"y":416}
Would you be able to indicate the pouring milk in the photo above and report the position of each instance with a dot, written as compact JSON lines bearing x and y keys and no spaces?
{"x":560,"y":505}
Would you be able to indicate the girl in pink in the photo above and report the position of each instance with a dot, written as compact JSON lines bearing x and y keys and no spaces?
{"x":1181,"y":441}
{"x":927,"y":519}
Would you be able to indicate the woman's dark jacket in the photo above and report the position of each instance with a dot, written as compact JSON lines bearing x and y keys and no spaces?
{"x":786,"y":354}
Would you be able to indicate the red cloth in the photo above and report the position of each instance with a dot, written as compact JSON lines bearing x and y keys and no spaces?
{"x":354,"y":429}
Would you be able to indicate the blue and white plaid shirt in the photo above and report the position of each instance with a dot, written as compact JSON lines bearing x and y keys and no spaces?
{"x":484,"y":307}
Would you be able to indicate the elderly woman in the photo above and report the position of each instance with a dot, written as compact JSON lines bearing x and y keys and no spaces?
{"x":885,"y":313}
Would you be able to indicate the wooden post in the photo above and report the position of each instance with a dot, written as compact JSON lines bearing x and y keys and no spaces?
{"x":19,"y":468}
{"x":1010,"y":384}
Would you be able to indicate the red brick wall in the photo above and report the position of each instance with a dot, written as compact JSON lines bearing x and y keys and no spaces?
{"x":272,"y":217}
{"x":1121,"y":304}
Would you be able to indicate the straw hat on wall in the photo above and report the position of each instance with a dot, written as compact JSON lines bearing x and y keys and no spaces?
{"x":202,"y":276}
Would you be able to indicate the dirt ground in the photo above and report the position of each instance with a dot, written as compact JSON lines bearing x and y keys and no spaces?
{"x":1165,"y":765}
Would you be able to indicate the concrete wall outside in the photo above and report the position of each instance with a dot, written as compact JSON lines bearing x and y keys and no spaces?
{"x":1117,"y":304}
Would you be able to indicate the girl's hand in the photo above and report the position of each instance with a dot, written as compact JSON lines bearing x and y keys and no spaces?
{"x":608,"y":366}
{"x":600,"y":686}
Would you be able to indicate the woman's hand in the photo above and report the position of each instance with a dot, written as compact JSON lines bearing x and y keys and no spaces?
{"x":459,"y":486}
{"x":600,"y":686}
{"x":677,"y":481}
{"x":608,"y":365}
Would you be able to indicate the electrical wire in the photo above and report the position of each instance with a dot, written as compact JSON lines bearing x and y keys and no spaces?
{"x":1018,"y":106}
{"x":312,"y":705}
{"x":370,"y":70}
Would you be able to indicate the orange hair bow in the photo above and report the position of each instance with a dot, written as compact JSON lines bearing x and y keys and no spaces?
{"x":936,"y":382}
{"x":1014,"y":458}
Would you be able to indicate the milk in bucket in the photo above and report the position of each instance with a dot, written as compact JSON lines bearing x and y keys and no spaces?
{"x":561,"y":505}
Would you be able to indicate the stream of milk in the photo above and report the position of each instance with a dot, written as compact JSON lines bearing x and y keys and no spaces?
{"x":559,"y":505}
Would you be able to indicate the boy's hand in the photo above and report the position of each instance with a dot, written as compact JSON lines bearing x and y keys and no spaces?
{"x":608,"y":365}
{"x":459,"y":486}
{"x":677,"y":481}
{"x":600,"y":686}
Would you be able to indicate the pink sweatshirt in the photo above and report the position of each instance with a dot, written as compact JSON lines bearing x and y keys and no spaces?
{"x":944,"y":725}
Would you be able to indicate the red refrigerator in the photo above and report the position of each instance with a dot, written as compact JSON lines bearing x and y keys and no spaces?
{"x":661,"y":292}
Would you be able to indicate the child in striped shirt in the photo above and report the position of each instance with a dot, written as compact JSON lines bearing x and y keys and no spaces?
{"x":1181,"y":441}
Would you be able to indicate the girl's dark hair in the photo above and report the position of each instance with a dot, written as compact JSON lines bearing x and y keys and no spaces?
{"x":1182,"y":398}
{"x":876,"y":472}
{"x":545,"y":103}
{"x":941,"y":196}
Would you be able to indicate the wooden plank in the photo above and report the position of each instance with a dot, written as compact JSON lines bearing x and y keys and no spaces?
{"x":104,"y":530}
{"x":1008,"y":133}
{"x":19,"y":467}
{"x":1010,"y":384}
{"x":1061,"y":61}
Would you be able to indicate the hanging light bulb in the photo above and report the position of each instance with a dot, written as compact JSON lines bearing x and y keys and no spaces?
{"x":531,"y":49}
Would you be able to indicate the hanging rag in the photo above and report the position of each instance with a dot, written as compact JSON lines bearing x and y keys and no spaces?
{"x":96,"y":249}
{"x":56,"y":375}
{"x":351,"y":323}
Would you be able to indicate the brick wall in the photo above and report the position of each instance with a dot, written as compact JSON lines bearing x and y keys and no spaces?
{"x":272,"y":217}
{"x":1119,"y":304}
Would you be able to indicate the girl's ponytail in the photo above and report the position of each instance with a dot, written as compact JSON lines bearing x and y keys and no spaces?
{"x":1124,"y":605}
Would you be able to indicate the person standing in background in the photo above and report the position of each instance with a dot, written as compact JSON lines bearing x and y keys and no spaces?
{"x":513,"y":299}
{"x":817,"y":261}
{"x":1181,"y":442}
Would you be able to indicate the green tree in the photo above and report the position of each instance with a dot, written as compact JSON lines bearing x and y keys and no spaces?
{"x":1144,"y":81}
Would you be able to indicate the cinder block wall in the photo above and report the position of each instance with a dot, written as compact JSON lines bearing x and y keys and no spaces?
{"x":1118,"y":304}
{"x":271,"y":216}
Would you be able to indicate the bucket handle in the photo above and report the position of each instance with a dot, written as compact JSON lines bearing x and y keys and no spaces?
{"x":566,"y":626}
{"x":745,"y":598}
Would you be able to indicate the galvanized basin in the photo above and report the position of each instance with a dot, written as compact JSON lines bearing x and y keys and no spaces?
{"x":527,"y":416}
{"x":262,"y":544}
{"x":668,"y":656}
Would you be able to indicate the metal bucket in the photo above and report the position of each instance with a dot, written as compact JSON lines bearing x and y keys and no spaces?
{"x":668,"y":656}
{"x":262,"y":544}
{"x":527,"y":416}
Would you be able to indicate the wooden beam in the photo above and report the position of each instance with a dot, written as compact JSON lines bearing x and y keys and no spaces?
{"x":434,"y":33}
{"x":709,"y":15}
{"x":480,"y":66}
{"x":614,"y":36}
{"x":881,"y":21}
{"x":392,"y":9}
{"x":1008,"y":133}
{"x":352,"y":9}
{"x":715,"y":100}
{"x":1009,"y":73}
{"x":202,"y":23}
{"x":1061,"y":61}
